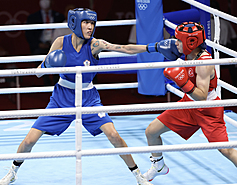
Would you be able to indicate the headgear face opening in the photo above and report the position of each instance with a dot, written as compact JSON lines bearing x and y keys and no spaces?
{"x":191,"y":34}
{"x":76,"y":16}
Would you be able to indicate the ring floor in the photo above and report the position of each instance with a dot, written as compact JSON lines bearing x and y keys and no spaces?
{"x":202,"y":167}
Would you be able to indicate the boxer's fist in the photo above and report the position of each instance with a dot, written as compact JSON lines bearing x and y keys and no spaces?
{"x":56,"y":58}
{"x":166,"y":47}
{"x":180,"y":76}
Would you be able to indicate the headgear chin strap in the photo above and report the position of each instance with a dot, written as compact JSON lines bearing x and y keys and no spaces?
{"x":76,"y":16}
{"x":191,"y":34}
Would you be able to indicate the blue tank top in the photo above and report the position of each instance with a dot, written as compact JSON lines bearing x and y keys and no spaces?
{"x":82,"y":58}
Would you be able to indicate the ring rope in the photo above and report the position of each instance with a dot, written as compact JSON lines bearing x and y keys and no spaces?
{"x":124,"y":150}
{"x":117,"y":67}
{"x":34,"y":58}
{"x":230,"y":120}
{"x":63,"y":25}
{"x":117,"y":108}
{"x":161,"y":148}
{"x":212,"y":10}
{"x":116,"y":151}
{"x":221,"y":48}
{"x":221,"y":83}
{"x":227,"y":86}
{"x":158,"y":106}
{"x":50,"y":88}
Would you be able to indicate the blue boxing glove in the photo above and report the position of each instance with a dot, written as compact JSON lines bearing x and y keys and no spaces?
{"x":56,"y":58}
{"x":166,"y":47}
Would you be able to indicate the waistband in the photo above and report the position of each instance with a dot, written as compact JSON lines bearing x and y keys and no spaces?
{"x":71,"y":85}
{"x":212,"y":95}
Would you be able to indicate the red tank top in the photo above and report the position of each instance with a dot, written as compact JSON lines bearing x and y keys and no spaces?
{"x":192,"y":74}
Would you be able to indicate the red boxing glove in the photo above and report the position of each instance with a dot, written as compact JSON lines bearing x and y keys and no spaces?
{"x":180,"y":76}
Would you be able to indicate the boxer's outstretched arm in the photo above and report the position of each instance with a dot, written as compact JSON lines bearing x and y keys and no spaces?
{"x":99,"y":45}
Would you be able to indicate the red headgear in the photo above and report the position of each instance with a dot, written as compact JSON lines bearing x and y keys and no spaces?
{"x":191,"y":34}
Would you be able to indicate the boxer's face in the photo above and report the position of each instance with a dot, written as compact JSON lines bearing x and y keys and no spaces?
{"x":179,"y":45}
{"x":87,"y":28}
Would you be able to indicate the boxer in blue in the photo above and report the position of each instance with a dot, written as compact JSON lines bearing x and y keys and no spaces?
{"x":81,"y":49}
{"x":77,"y":49}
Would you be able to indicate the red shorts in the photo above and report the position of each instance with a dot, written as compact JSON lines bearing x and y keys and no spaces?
{"x":186,"y":122}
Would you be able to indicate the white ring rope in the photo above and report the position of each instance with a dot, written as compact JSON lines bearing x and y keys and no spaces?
{"x":34,"y":58}
{"x":109,"y":109}
{"x":117,"y":67}
{"x":212,"y":10}
{"x":230,"y":120}
{"x":38,"y":155}
{"x":227,"y":86}
{"x":158,"y":106}
{"x":50,"y":88}
{"x":116,"y":151}
{"x":63,"y":25}
{"x":117,"y":108}
{"x":174,"y":90}
{"x":98,"y":87}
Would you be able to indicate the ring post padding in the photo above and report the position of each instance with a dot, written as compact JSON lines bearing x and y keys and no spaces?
{"x":150,"y":13}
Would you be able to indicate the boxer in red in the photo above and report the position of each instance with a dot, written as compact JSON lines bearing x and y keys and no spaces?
{"x":198,"y":84}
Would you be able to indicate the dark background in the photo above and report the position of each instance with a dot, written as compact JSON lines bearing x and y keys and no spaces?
{"x":14,"y":44}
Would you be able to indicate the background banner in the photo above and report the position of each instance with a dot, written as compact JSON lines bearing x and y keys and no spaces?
{"x":149,"y":28}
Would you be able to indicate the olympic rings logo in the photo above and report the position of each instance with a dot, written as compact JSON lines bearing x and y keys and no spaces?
{"x":142,"y":6}
{"x":14,"y":20}
{"x":181,"y":75}
{"x":91,"y":17}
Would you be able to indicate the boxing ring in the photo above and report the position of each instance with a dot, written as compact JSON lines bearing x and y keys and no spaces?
{"x":62,"y":153}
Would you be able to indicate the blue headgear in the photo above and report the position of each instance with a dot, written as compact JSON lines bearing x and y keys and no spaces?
{"x":76,"y":16}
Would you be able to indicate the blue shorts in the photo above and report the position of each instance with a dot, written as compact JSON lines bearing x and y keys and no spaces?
{"x":62,"y":98}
